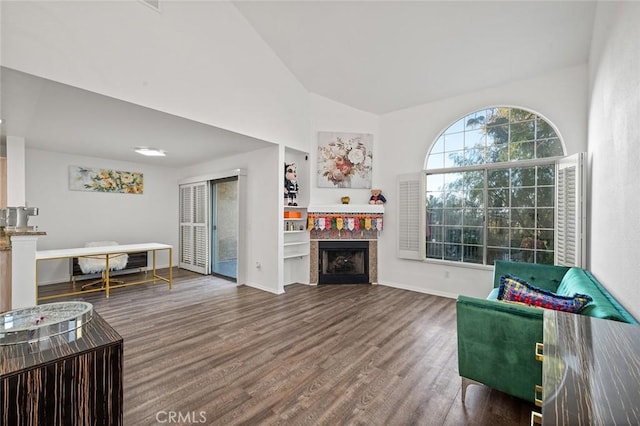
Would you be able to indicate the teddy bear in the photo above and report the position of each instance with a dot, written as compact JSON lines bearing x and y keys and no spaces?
{"x":377,"y":197}
{"x":290,"y":184}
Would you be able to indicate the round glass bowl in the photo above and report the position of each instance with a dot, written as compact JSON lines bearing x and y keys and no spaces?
{"x":43,"y":321}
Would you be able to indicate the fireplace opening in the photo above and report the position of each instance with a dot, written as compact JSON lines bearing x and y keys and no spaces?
{"x":343,"y":262}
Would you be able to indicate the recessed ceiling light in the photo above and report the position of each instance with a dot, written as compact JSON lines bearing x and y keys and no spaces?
{"x":151,"y":152}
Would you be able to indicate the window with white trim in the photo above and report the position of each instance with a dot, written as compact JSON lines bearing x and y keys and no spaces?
{"x":490,"y":189}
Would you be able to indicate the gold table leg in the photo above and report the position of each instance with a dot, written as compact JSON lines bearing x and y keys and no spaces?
{"x":170,"y":269}
{"x":107,"y":279}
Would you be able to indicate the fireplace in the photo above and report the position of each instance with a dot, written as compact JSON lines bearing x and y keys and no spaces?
{"x":343,"y":262}
{"x":343,"y":243}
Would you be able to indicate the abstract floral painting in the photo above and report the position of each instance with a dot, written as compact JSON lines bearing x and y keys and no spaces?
{"x":104,"y":180}
{"x":344,"y":160}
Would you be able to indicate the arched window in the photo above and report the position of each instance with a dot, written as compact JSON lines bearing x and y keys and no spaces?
{"x":491,"y":188}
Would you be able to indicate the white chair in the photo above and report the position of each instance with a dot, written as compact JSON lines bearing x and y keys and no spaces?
{"x":98,"y":263}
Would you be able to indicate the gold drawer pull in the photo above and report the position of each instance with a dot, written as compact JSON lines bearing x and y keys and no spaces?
{"x":539,"y":352}
{"x":538,"y":392}
{"x":536,"y":418}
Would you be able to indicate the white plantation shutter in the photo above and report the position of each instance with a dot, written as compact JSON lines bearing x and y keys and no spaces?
{"x":411,"y":216}
{"x":201,"y":244}
{"x":186,"y":234}
{"x":187,"y":246}
{"x":194,"y":227}
{"x":570,"y":247}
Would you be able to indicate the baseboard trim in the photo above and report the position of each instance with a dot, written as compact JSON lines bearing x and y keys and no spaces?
{"x":263,"y":288}
{"x":420,"y":290}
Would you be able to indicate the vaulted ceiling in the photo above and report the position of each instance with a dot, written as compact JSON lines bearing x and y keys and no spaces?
{"x":377,"y":56}
{"x":381,"y":56}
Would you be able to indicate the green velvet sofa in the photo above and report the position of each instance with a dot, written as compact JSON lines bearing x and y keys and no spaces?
{"x":497,"y":339}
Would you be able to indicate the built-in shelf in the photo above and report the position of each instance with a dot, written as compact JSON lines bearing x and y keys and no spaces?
{"x":295,"y":246}
{"x":292,"y":256}
{"x":301,"y":243}
{"x":296,"y":240}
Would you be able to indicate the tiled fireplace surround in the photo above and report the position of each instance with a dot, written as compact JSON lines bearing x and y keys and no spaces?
{"x":371,"y":235}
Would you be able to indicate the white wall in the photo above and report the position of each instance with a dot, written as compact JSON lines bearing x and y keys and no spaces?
{"x":199,"y":60}
{"x":16,"y":151}
{"x":71,"y":218}
{"x":263,"y":198}
{"x":407,"y":135}
{"x":614,"y":151}
{"x":330,"y":116}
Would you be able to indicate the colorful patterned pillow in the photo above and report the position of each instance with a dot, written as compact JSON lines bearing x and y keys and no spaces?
{"x":514,"y":289}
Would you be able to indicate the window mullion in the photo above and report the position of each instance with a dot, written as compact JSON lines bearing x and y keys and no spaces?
{"x":536,"y":228}
{"x":494,"y":166}
{"x":485,"y":215}
{"x":509,"y":247}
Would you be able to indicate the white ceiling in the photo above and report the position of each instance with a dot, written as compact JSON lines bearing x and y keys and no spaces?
{"x":381,"y":56}
{"x":61,"y":118}
{"x":377,"y":56}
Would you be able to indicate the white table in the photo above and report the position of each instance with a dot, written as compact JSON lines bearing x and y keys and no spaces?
{"x":107,"y":251}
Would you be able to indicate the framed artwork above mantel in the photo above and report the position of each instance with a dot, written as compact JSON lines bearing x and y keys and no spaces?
{"x":345,"y":160}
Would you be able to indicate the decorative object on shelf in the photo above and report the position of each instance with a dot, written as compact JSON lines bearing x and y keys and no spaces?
{"x":345,"y":200}
{"x":377,"y":197}
{"x":344,"y":160}
{"x":290,"y":184}
{"x":104,"y":180}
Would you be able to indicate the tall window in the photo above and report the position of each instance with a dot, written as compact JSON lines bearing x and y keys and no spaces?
{"x":490,"y":188}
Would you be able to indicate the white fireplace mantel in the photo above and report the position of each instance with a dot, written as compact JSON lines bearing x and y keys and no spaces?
{"x":346,"y":208}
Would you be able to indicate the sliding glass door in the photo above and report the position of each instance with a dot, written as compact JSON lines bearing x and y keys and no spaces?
{"x":224,"y":227}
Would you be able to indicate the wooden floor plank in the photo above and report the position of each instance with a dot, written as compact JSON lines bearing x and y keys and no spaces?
{"x":316,"y":355}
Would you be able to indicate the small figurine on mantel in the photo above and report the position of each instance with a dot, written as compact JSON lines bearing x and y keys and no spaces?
{"x":290,"y":184}
{"x":377,"y":197}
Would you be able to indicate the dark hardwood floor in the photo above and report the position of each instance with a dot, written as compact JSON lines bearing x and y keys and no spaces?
{"x":210,"y":352}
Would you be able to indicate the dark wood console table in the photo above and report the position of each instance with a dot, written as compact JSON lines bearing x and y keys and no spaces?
{"x":74,"y":378}
{"x":591,"y":371}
